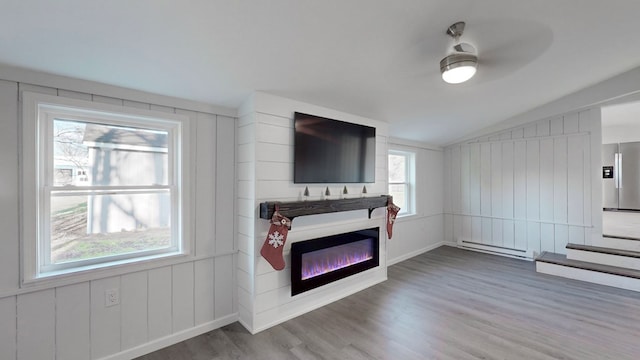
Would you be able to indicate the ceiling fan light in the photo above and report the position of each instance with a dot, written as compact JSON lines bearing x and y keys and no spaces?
{"x":458,"y":75}
{"x":458,"y":68}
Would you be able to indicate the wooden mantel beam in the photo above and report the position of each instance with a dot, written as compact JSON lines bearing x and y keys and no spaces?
{"x":293,"y":209}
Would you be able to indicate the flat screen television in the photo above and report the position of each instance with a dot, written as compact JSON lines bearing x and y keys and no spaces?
{"x":332,"y":151}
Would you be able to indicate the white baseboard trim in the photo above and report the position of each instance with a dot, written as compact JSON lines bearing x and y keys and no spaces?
{"x":246,"y":326}
{"x":169,"y":340}
{"x":414,"y":253}
{"x":318,"y":303}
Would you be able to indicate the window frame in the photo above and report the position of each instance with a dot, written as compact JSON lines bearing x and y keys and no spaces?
{"x":409,"y":182}
{"x":37,"y":161}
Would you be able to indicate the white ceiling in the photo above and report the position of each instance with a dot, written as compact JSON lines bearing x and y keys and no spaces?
{"x":374,"y":58}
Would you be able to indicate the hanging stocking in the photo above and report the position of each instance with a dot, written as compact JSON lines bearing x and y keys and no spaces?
{"x":276,"y":237}
{"x":392,"y":211}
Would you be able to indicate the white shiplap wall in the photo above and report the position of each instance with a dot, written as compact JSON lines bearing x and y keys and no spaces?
{"x":424,"y":230}
{"x":160,"y":303}
{"x":265,"y":173}
{"x":526,"y":189}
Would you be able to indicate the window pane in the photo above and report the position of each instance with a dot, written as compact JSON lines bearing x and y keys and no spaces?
{"x":397,"y":168}
{"x":63,"y":177}
{"x":108,"y":155}
{"x":86,"y":227}
{"x":399,"y":193}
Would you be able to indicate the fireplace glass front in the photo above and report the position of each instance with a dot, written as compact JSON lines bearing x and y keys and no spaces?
{"x":321,"y":261}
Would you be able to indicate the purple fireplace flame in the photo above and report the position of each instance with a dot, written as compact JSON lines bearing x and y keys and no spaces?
{"x":321,"y":261}
{"x":338,"y":257}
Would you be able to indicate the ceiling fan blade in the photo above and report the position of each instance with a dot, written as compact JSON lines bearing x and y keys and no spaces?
{"x":465,"y":48}
{"x":507,"y":46}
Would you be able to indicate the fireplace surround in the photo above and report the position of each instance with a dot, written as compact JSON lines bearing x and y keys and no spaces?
{"x":320,"y":261}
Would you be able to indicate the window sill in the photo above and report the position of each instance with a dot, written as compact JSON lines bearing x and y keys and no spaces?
{"x":105,"y":270}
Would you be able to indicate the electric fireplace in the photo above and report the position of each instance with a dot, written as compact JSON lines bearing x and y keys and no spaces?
{"x":324,"y":260}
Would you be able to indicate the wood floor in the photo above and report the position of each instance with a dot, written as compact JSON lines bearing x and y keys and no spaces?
{"x":446,"y":304}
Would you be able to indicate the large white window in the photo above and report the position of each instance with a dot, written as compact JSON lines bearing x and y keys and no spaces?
{"x":103,"y":185}
{"x":401,"y":180}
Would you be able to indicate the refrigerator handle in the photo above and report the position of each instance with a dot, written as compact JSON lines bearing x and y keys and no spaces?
{"x":617,"y":170}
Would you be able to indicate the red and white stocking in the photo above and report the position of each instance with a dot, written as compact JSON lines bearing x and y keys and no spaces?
{"x":274,"y":243}
{"x":392,"y":212}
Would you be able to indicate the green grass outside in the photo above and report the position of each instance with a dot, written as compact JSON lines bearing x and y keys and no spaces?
{"x":70,"y":242}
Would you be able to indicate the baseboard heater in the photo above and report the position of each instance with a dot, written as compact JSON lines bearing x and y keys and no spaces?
{"x":494,"y":249}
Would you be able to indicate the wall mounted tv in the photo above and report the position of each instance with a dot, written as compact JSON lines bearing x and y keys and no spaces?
{"x":332,"y":151}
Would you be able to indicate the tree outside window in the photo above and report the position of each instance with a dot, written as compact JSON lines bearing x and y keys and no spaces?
{"x":107,"y":186}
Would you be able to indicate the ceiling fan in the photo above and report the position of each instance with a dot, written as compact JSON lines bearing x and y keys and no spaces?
{"x":462,"y":61}
{"x":497,"y":47}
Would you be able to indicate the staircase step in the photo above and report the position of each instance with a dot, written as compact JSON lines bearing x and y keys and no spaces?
{"x":559,"y":265}
{"x":618,"y":243}
{"x":604,"y":255}
{"x":560,"y":259}
{"x":620,"y":237}
{"x":604,"y":250}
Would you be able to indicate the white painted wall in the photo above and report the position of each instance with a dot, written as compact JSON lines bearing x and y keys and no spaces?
{"x":423,"y":231}
{"x":527,"y":189}
{"x":265,"y":173}
{"x":161,"y":302}
{"x":621,"y":123}
{"x":462,"y":164}
{"x":622,"y":133}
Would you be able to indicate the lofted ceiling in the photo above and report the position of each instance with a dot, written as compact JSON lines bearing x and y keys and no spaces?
{"x":374,"y":58}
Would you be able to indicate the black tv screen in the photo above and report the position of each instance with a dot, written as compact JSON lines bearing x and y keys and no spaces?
{"x":333,"y":151}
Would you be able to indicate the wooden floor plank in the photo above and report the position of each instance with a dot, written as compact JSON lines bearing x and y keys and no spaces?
{"x":446,"y":304}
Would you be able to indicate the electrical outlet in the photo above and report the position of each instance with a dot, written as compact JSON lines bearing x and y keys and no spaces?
{"x":111,"y":297}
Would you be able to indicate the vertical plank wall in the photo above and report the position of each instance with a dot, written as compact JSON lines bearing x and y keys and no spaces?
{"x":528,"y":188}
{"x":265,"y":173}
{"x":424,"y":230}
{"x":157,"y":305}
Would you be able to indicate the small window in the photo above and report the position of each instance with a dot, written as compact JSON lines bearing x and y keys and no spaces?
{"x":401,"y":164}
{"x":108,"y":184}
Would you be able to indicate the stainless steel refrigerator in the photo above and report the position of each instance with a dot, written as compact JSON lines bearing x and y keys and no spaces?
{"x":621,"y":176}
